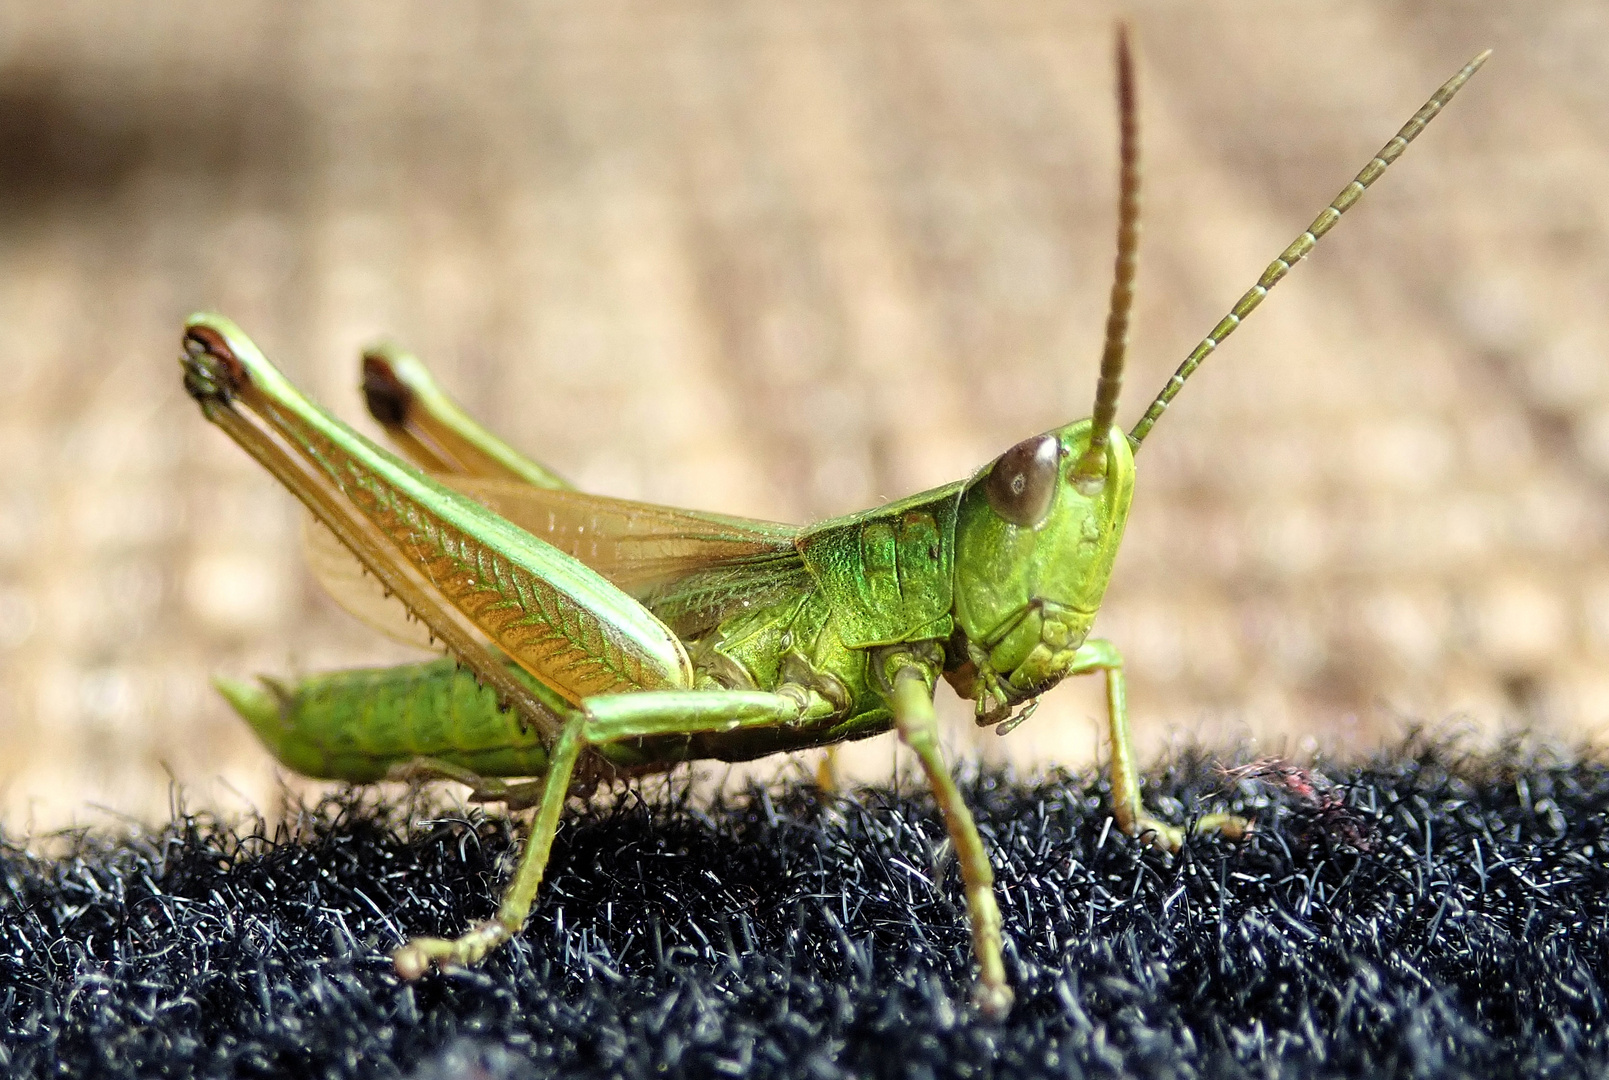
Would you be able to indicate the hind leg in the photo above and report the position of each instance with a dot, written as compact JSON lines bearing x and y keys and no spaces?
{"x":606,"y":719}
{"x":482,"y":789}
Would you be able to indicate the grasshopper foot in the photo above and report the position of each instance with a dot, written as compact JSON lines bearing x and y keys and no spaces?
{"x":992,"y":1000}
{"x":1170,"y":837}
{"x":1231,"y":826}
{"x":421,"y":954}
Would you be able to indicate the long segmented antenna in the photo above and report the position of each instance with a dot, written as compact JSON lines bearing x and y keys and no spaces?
{"x":1304,"y":244}
{"x":1092,"y":466}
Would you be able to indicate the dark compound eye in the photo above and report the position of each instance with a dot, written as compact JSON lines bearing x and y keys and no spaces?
{"x":1022,"y":482}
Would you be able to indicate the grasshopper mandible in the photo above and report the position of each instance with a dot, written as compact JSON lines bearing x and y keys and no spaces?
{"x":593,"y":638}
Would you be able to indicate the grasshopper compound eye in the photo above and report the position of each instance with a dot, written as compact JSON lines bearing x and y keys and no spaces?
{"x":1022,"y":482}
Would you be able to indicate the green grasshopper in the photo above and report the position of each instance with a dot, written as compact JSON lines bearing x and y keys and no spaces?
{"x":593,"y":638}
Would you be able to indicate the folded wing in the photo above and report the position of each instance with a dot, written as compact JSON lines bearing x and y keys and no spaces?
{"x":690,"y":568}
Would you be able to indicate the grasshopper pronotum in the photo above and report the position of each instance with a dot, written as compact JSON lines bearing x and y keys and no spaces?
{"x":594,"y":637}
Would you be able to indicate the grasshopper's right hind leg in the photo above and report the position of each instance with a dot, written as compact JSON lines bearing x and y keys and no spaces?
{"x":482,"y":789}
{"x":433,"y":430}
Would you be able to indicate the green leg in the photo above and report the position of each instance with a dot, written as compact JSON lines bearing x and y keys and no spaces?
{"x":606,"y":719}
{"x":1129,"y":812}
{"x":919,"y":729}
{"x":430,"y":428}
{"x":827,"y":774}
{"x":416,"y":957}
{"x":516,"y":797}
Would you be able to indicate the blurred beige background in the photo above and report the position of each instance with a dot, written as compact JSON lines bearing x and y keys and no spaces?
{"x":789,"y":260}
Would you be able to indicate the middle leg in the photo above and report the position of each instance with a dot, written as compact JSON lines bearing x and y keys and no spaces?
{"x":482,"y":789}
{"x":1127,"y":809}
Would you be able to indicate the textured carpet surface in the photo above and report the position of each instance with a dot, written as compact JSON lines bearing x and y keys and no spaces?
{"x":1427,"y":915}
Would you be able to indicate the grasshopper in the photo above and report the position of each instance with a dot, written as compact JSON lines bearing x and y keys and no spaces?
{"x":593,"y":638}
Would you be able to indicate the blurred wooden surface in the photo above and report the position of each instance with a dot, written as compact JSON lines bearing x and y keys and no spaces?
{"x":789,"y":260}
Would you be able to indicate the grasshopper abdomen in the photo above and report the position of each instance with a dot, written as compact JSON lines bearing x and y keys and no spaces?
{"x":361,"y":725}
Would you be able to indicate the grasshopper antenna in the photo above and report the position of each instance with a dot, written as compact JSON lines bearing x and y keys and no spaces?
{"x":1091,"y":468}
{"x":1302,"y":245}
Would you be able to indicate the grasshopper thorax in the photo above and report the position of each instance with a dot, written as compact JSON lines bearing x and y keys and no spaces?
{"x":1034,"y":546}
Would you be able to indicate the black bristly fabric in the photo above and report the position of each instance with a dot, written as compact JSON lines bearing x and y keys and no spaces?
{"x":1438,"y":916}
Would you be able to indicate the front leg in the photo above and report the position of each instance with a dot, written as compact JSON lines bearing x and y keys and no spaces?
{"x":912,"y":701}
{"x":1127,"y":809}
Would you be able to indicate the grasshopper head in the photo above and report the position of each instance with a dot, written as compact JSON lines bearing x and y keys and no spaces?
{"x":1036,"y":535}
{"x":1037,"y":531}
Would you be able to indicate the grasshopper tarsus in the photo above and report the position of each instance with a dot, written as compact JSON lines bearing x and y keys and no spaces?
{"x":415,"y":959}
{"x":604,"y":638}
{"x":993,"y":1002}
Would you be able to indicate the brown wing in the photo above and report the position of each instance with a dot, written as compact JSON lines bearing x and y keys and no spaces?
{"x":689,"y":567}
{"x":357,"y":590}
{"x":636,"y":545}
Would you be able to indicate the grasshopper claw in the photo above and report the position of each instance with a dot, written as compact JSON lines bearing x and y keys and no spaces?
{"x":1158,"y":834}
{"x":992,"y":1000}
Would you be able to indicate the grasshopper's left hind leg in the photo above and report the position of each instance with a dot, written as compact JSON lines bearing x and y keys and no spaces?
{"x":1127,"y":809}
{"x":919,"y":729}
{"x":416,"y":957}
{"x":606,"y":719}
